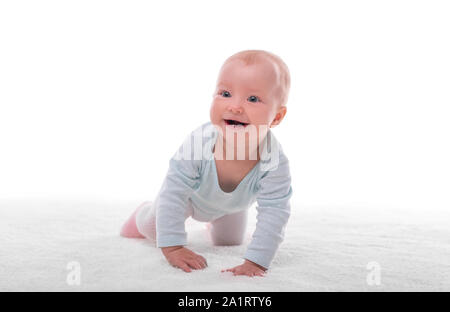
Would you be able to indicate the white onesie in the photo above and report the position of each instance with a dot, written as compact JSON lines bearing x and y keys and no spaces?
{"x":191,"y":188}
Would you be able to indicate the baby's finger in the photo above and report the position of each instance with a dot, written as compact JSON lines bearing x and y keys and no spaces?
{"x":248,"y":273}
{"x":194,"y":264}
{"x":203,"y":260}
{"x":183,"y":266}
{"x":200,"y":264}
{"x":238,"y":272}
{"x":228,"y":270}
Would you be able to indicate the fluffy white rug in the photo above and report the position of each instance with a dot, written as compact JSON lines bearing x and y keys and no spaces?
{"x":325,"y":249}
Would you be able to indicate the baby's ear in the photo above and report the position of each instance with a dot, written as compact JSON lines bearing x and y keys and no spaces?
{"x":279,"y":116}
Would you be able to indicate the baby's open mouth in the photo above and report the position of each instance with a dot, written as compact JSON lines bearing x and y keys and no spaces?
{"x":235,"y":122}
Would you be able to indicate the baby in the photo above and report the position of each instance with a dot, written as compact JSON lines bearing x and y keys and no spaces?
{"x":235,"y":161}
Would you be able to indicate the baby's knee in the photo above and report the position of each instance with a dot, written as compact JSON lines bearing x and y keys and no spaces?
{"x":229,"y":239}
{"x":136,"y":227}
{"x":129,"y":229}
{"x":221,"y":242}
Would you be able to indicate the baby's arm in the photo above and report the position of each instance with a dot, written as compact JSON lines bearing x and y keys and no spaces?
{"x":273,"y":209}
{"x":181,"y":180}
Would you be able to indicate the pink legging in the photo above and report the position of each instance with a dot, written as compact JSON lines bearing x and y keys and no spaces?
{"x":224,"y":231}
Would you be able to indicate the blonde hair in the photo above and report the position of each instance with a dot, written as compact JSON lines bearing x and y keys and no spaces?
{"x":252,"y":56}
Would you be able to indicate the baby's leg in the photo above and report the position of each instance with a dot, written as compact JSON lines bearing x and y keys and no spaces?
{"x":229,"y":229}
{"x":142,"y":223}
{"x":129,"y":229}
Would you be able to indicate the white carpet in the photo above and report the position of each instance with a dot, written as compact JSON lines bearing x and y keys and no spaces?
{"x":325,"y":249}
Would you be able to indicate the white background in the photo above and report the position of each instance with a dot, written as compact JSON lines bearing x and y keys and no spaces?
{"x":95,"y":96}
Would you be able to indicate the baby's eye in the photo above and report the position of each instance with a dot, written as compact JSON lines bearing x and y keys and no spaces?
{"x":225,"y":93}
{"x":253,"y":98}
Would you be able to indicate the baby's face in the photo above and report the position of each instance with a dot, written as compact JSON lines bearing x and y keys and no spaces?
{"x":249,"y":94}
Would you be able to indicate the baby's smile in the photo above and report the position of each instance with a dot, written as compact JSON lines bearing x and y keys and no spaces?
{"x":236,"y":123}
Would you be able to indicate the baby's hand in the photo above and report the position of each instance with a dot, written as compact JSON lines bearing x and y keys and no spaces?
{"x":247,"y":268}
{"x":183,"y":258}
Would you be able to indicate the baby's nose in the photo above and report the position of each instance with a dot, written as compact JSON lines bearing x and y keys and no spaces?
{"x":235,"y":109}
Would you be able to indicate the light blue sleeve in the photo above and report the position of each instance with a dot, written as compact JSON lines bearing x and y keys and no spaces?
{"x":273,"y":211}
{"x":181,"y":180}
